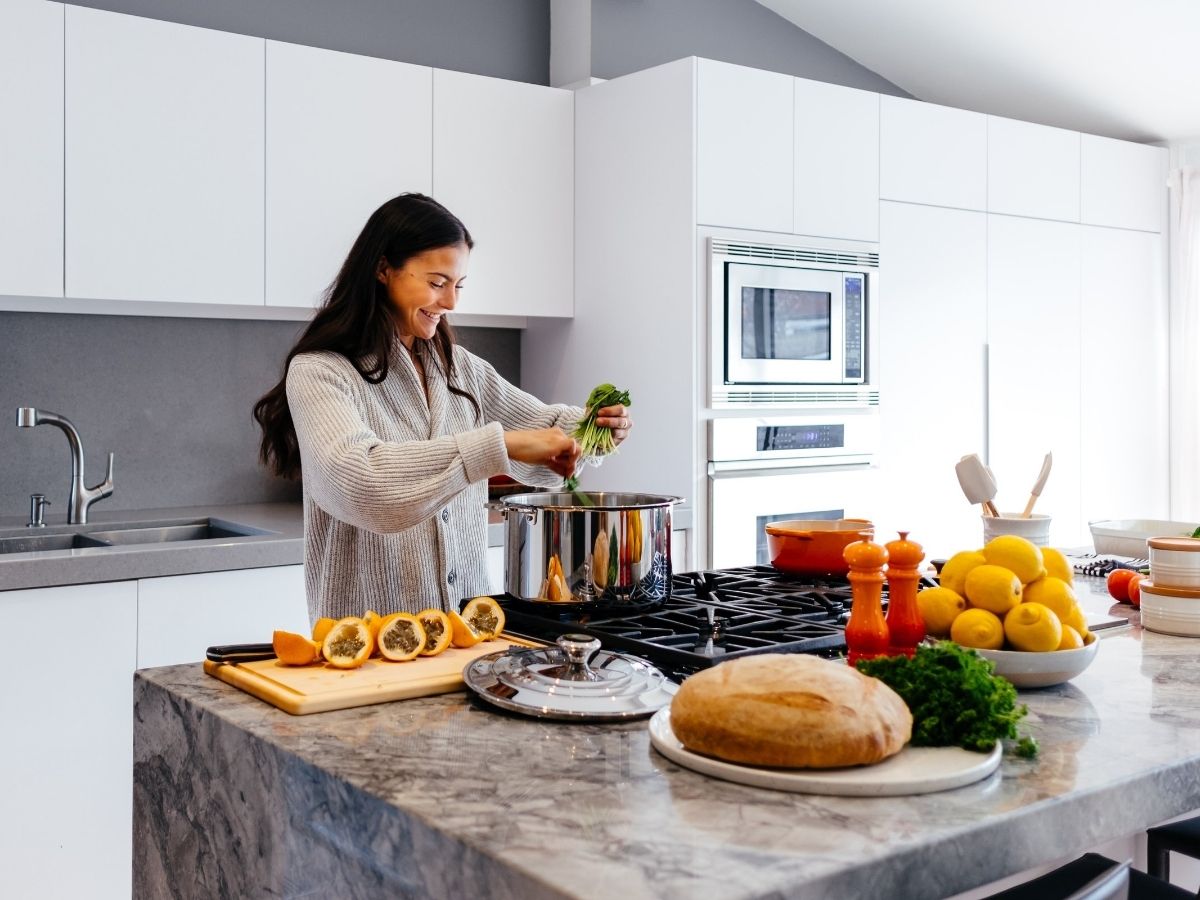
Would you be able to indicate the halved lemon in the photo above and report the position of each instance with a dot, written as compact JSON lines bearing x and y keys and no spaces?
{"x":401,"y":637}
{"x":348,"y":643}
{"x":485,"y":616}
{"x":437,"y":631}
{"x":295,"y":649}
{"x":462,"y":632}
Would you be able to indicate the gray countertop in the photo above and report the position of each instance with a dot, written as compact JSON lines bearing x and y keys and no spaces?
{"x":507,"y":806}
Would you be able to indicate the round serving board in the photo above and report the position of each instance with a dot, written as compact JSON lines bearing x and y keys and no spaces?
{"x":914,"y":770}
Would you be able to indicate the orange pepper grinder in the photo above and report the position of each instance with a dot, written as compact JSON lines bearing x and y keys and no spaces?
{"x":905,"y":625}
{"x":866,"y":632}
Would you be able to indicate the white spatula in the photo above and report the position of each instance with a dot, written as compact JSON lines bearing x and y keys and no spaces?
{"x":977,"y":482}
{"x":1038,"y":485}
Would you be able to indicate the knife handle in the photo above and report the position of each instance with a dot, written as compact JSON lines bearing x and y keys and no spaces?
{"x":235,"y":653}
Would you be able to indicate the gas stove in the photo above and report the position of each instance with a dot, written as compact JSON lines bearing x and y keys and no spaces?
{"x":710,"y":616}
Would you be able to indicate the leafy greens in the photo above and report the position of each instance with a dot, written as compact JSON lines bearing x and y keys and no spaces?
{"x":594,"y":440}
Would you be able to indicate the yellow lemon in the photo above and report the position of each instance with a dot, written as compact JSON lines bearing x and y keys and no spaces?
{"x":1071,"y":639}
{"x":1015,"y":553}
{"x":954,"y":572}
{"x":993,"y":588}
{"x":1076,"y":619}
{"x":1033,"y":627}
{"x":978,"y":628}
{"x":939,"y":607}
{"x":1052,"y":592}
{"x":1057,"y":565}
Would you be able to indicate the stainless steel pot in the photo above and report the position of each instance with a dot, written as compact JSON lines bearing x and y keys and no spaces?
{"x":585,"y":547}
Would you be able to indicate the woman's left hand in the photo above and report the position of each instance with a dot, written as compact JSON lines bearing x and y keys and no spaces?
{"x":616,"y":419}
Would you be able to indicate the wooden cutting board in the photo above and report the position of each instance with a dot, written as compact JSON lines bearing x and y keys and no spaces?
{"x":301,"y":690}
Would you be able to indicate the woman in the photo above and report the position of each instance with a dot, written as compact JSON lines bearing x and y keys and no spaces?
{"x":395,"y":429}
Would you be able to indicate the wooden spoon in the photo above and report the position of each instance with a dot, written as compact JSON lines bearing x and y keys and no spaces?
{"x":1038,"y":485}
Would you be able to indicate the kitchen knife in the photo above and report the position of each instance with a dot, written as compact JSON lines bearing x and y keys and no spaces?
{"x":236,"y":653}
{"x":1038,"y":485}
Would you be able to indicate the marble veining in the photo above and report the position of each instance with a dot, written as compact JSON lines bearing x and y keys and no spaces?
{"x":441,"y":797}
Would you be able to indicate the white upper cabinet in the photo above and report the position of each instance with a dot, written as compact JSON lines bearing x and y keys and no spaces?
{"x":837,"y":161}
{"x":744,"y":161}
{"x":31,"y":148}
{"x":1032,"y":170}
{"x":503,"y":162}
{"x":1123,"y":185}
{"x":164,"y":161}
{"x":932,"y":154}
{"x":325,"y":174}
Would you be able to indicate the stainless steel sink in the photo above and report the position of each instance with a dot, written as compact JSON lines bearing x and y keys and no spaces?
{"x":122,"y":534}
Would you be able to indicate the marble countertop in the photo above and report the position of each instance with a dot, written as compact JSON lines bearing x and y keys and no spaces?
{"x":282,"y":545}
{"x":518,"y":807}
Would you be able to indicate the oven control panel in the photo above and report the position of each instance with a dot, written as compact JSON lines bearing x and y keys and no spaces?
{"x":826,"y":438}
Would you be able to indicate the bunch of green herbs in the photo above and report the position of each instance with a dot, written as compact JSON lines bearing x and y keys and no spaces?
{"x":954,"y":696}
{"x":594,"y":440}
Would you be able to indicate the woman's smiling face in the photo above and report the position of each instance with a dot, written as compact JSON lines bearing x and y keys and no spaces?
{"x":425,"y":288}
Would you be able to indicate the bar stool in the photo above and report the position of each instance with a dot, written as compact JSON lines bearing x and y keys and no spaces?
{"x":1182,"y":837}
{"x":1094,"y":877}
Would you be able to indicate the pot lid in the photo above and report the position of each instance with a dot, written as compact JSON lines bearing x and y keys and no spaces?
{"x":575,"y":680}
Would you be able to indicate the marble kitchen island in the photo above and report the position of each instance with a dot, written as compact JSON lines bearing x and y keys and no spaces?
{"x":440,"y":797}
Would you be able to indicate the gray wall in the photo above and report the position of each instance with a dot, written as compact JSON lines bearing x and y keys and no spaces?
{"x":170,"y":397}
{"x":630,"y":35}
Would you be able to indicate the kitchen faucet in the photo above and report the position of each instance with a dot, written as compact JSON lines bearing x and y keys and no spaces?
{"x":81,"y":497}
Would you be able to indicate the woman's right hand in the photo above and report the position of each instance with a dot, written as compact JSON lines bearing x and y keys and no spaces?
{"x":549,"y":447}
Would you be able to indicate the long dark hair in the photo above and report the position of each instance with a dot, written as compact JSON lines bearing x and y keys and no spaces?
{"x":357,"y":319}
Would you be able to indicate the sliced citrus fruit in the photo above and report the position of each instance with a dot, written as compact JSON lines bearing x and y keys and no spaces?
{"x":321,"y":628}
{"x":462,"y":632}
{"x":401,"y":637}
{"x":295,"y":649}
{"x":348,"y":643}
{"x":485,"y":616}
{"x":437,"y":631}
{"x":373,"y":621}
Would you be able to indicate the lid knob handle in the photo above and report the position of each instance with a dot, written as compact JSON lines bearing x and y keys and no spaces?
{"x":579,"y":648}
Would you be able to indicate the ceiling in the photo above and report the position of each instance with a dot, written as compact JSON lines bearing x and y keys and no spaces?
{"x":1127,"y":69}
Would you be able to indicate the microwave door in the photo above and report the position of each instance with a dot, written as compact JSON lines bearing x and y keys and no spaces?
{"x":784,"y":325}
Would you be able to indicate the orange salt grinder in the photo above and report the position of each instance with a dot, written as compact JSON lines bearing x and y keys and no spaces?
{"x":866,"y":632}
{"x":905,"y":625}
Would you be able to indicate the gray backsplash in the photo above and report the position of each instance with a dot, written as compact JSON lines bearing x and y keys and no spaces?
{"x":171,"y":397}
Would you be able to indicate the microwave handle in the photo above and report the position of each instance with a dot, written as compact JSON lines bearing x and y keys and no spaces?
{"x":744,"y":468}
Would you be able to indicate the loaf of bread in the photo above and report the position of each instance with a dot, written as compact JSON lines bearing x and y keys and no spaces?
{"x":790,"y":710}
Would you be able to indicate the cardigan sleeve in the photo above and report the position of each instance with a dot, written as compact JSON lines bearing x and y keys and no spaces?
{"x":370,"y":483}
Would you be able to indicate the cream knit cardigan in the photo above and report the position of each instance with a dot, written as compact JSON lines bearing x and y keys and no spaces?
{"x":395,"y":487}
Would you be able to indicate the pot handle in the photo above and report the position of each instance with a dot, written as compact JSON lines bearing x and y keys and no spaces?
{"x":527,"y":509}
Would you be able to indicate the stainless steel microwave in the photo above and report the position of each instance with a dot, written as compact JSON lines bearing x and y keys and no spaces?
{"x":791,"y":317}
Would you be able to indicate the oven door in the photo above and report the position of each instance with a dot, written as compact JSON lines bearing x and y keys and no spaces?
{"x":784,"y":325}
{"x":742,"y":502}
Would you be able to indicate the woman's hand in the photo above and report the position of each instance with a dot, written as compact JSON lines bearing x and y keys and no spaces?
{"x":549,"y":447}
{"x":616,"y":419}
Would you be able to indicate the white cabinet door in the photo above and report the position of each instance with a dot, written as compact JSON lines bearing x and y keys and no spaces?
{"x":31,"y":148}
{"x":503,"y":163}
{"x":933,"y":325}
{"x":1122,"y":184}
{"x":932,"y":154}
{"x":837,"y":161}
{"x":325,"y":173}
{"x":1125,"y":378}
{"x":744,"y":139}
{"x":164,"y":161}
{"x":495,"y":569}
{"x":1034,"y":385}
{"x":67,"y":753}
{"x":181,"y":615}
{"x":1033,"y":170}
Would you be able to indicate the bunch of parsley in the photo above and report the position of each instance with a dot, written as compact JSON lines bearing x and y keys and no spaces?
{"x":954,"y":698}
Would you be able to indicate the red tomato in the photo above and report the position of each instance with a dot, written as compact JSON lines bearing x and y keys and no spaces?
{"x":1118,"y":583}
{"x":1135,"y":590}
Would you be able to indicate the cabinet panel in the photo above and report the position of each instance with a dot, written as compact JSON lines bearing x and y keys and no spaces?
{"x":324,"y":175}
{"x":1033,"y":170}
{"x":31,"y":150}
{"x":932,"y":154}
{"x":164,"y":161}
{"x":1122,"y":184}
{"x":181,"y":615}
{"x":67,"y":756}
{"x":933,"y":320}
{"x":1034,"y":383}
{"x":503,"y":163}
{"x":1124,"y":375}
{"x":837,"y":161}
{"x":744,"y":164}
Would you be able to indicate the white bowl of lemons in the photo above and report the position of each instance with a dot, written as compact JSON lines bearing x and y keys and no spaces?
{"x":1014,"y":604}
